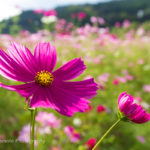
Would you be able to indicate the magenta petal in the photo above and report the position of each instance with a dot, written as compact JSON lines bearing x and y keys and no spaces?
{"x":23,"y":57}
{"x":70,"y":70}
{"x":139,"y":115}
{"x":144,"y":119}
{"x":46,"y":57}
{"x":25,"y":90}
{"x":85,"y":89}
{"x":138,"y":110}
{"x":125,"y":102}
{"x":66,"y":103}
{"x":12,"y":70}
{"x":41,"y":99}
{"x":131,"y":110}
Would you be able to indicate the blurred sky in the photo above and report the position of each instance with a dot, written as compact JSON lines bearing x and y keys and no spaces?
{"x":13,"y":7}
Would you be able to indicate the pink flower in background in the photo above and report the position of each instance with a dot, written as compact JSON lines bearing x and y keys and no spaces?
{"x":138,"y":100}
{"x":126,"y":23}
{"x":38,"y":11}
{"x":43,"y":86}
{"x":48,"y":119}
{"x":115,"y":81}
{"x":141,"y":139}
{"x":140,"y":61}
{"x":101,"y":108}
{"x":50,"y":13}
{"x":98,"y":59}
{"x":147,"y":88}
{"x":129,"y":77}
{"x":103,"y":78}
{"x":81,"y":15}
{"x":24,"y":135}
{"x":73,"y":136}
{"x":90,"y":143}
{"x":130,"y":110}
{"x":94,"y":19}
{"x":101,"y":20}
{"x":122,"y":79}
{"x":117,"y":24}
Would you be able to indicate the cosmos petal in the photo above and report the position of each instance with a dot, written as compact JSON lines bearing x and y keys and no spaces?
{"x":67,"y":104}
{"x":131,"y":110}
{"x":23,"y":57}
{"x":85,"y":89}
{"x":12,"y":70}
{"x":25,"y":90}
{"x":46,"y":57}
{"x":70,"y":70}
{"x":40,"y":99}
{"x":144,"y":119}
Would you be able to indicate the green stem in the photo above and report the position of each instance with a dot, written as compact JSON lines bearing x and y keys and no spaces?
{"x":107,"y":132}
{"x":33,"y":114}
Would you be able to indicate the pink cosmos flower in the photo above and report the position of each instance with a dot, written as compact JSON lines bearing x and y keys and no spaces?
{"x":101,"y":108}
{"x":117,"y":24}
{"x":73,"y":136}
{"x":126,"y":23}
{"x":141,"y":139}
{"x":38,"y":11}
{"x":147,"y":88}
{"x":101,"y":20}
{"x":24,"y":135}
{"x":43,"y":86}
{"x":93,"y":19}
{"x":129,"y":110}
{"x":50,"y":13}
{"x":81,"y":15}
{"x":48,"y":119}
{"x":103,"y":77}
{"x":91,"y":143}
{"x":116,"y":81}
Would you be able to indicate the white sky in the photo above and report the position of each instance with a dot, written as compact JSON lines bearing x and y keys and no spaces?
{"x":12,"y":7}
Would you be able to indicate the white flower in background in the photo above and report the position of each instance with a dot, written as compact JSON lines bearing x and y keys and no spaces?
{"x":48,"y":19}
{"x":140,"y":13}
{"x":77,"y":121}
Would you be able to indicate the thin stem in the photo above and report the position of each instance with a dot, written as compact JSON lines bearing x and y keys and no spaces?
{"x":107,"y":132}
{"x":33,"y":114}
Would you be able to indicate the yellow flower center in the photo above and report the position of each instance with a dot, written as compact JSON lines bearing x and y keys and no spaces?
{"x":44,"y":78}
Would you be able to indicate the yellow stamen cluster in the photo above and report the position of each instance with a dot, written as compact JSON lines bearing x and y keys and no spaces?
{"x":44,"y":78}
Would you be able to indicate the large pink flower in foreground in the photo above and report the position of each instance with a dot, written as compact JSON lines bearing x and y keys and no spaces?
{"x":43,"y":86}
{"x":130,"y":110}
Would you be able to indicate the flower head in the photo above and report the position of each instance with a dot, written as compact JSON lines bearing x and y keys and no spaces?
{"x":48,"y":119}
{"x":81,"y":15}
{"x":50,"y":13}
{"x":72,"y":134}
{"x":129,"y":110}
{"x":101,"y":108}
{"x":44,"y":87}
{"x":91,"y":143}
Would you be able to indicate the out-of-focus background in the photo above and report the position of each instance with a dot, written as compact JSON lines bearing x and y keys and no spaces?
{"x":113,"y":39}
